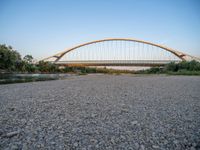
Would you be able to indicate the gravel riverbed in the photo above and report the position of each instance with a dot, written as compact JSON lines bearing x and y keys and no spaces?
{"x":102,"y":112}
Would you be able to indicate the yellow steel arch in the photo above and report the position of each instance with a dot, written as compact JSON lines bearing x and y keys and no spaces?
{"x":179,"y":54}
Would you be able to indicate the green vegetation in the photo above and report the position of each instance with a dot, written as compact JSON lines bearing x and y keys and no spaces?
{"x":182,"y":68}
{"x":9,"y":58}
{"x":11,"y":62}
{"x":15,"y":79}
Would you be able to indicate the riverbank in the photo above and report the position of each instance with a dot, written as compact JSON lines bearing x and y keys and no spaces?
{"x":102,"y":112}
{"x":8,"y":78}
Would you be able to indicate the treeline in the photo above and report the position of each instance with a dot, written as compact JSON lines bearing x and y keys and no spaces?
{"x":182,"y":68}
{"x":11,"y":61}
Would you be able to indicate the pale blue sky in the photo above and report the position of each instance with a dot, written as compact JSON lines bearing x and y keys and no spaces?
{"x":44,"y":27}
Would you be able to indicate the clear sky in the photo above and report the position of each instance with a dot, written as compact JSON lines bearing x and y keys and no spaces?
{"x":44,"y":27}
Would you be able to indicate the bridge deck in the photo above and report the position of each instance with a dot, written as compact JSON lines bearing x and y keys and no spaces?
{"x":116,"y":62}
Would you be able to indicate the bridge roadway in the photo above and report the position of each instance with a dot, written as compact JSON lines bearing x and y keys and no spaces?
{"x":148,"y":63}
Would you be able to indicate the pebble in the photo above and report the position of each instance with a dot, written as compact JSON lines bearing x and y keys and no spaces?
{"x":14,"y":147}
{"x":112,"y":140}
{"x":155,"y":146}
{"x":134,"y":122}
{"x":122,"y":137}
{"x":93,"y":115}
{"x":11,"y":134}
{"x":142,"y":147}
{"x":75,"y":144}
{"x":93,"y":141}
{"x":53,"y":143}
{"x":136,"y":145}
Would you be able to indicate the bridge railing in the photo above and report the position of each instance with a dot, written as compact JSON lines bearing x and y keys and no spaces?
{"x":116,"y":61}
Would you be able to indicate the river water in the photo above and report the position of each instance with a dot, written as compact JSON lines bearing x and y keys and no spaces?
{"x":17,"y":78}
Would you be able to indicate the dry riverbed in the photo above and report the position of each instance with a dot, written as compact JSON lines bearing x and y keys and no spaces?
{"x":102,"y":112}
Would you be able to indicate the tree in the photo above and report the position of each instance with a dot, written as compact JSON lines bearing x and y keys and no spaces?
{"x":8,"y":57}
{"x":28,"y":59}
{"x":171,"y":67}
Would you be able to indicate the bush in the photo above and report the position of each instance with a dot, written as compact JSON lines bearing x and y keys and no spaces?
{"x":68,"y":69}
{"x":191,"y":66}
{"x":154,"y":70}
{"x":184,"y":68}
{"x":90,"y":70}
{"x":171,"y":67}
{"x":47,"y":67}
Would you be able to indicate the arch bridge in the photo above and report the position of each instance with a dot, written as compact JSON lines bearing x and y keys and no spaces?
{"x":119,"y":52}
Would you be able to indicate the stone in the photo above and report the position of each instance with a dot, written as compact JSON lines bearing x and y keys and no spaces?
{"x":93,"y":115}
{"x":112,"y":140}
{"x":155,"y":146}
{"x":11,"y":134}
{"x":25,"y":146}
{"x":142,"y":147}
{"x":75,"y":144}
{"x":124,"y":110}
{"x":136,"y":145}
{"x":122,"y":137}
{"x":53,"y":143}
{"x":134,"y":122}
{"x":14,"y":147}
{"x":175,"y":142}
{"x":93,"y":141}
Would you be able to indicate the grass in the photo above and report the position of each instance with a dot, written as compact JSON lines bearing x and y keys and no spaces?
{"x":185,"y":72}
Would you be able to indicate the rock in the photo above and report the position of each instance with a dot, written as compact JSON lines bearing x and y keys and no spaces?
{"x":193,"y":148}
{"x":62,"y":132}
{"x":93,"y":115}
{"x":53,"y":143}
{"x":1,"y":132}
{"x":124,"y":110}
{"x":122,"y":137}
{"x":14,"y":147}
{"x":142,"y":147}
{"x":136,"y":145}
{"x":130,"y":148}
{"x":23,"y":121}
{"x":71,"y":103}
{"x":75,"y":144}
{"x":112,"y":140}
{"x":197,"y":145}
{"x":154,"y":134}
{"x":134,"y":122}
{"x":12,"y":109}
{"x":11,"y":134}
{"x":175,"y":142}
{"x":24,"y":147}
{"x":93,"y":141}
{"x":155,"y":146}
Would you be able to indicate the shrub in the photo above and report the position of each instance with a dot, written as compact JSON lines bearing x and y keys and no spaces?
{"x":171,"y":67}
